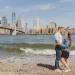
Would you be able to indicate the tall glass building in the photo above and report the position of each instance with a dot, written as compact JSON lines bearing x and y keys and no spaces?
{"x":13,"y":17}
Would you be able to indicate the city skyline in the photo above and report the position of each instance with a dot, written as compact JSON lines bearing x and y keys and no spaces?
{"x":59,"y":11}
{"x":18,"y":26}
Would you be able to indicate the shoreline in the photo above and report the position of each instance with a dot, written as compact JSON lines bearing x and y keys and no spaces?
{"x":34,"y":46}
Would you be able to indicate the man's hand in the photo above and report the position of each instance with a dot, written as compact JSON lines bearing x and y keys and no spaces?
{"x":57,"y":41}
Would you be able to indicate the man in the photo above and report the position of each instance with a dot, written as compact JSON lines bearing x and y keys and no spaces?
{"x":58,"y":40}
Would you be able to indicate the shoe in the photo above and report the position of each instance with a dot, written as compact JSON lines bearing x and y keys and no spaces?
{"x":66,"y":70}
{"x":63,"y":69}
{"x":58,"y":70}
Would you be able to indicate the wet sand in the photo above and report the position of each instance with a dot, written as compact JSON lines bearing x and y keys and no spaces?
{"x":30,"y":69}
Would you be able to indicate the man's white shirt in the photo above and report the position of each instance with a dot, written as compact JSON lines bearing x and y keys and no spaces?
{"x":58,"y":36}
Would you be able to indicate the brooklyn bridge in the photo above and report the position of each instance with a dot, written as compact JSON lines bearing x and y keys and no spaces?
{"x":11,"y":30}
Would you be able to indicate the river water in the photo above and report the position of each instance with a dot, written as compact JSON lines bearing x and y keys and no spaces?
{"x":30,"y":55}
{"x":44,"y":39}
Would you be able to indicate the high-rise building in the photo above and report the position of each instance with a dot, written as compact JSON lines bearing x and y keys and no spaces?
{"x":52,"y":25}
{"x":4,"y":20}
{"x":36,"y":24}
{"x":0,"y":21}
{"x":26,"y":28}
{"x":13,"y":17}
{"x":20,"y":23}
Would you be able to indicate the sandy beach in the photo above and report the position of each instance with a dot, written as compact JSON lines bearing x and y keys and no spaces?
{"x":29,"y":61}
{"x":31,"y":69}
{"x":31,"y":64}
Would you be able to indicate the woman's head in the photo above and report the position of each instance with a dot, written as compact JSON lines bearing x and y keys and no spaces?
{"x":68,"y":36}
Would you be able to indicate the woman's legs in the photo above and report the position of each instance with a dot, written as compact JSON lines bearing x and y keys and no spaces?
{"x":67,"y":61}
{"x":64,"y":62}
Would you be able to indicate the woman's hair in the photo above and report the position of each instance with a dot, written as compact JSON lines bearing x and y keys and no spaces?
{"x":70,"y":39}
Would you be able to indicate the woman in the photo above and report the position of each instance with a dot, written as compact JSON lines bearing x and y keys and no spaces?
{"x":67,"y":43}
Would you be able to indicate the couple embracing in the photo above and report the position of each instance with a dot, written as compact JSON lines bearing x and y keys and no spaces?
{"x":62,"y":48}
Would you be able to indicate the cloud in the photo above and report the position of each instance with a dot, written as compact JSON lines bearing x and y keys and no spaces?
{"x":42,"y":7}
{"x":6,"y":7}
{"x":38,"y":7}
{"x":63,"y":1}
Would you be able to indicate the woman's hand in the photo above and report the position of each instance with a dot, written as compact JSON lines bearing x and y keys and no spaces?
{"x":64,"y":50}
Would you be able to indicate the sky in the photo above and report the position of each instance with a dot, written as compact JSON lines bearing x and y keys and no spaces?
{"x":60,"y":11}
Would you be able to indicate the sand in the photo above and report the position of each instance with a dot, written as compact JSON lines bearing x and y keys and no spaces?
{"x":30,"y":69}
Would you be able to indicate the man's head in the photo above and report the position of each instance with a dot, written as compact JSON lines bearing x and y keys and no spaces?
{"x":60,"y":29}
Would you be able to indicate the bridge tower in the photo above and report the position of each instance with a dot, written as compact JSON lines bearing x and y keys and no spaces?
{"x":14,"y":31}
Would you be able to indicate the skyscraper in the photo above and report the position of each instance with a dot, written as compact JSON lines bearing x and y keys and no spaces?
{"x":52,"y":25}
{"x":4,"y":20}
{"x":20,"y":23}
{"x":13,"y":17}
{"x":26,"y":28}
{"x":0,"y":21}
{"x":36,"y":24}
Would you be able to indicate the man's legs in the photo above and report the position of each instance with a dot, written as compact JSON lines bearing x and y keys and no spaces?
{"x":58,"y":55}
